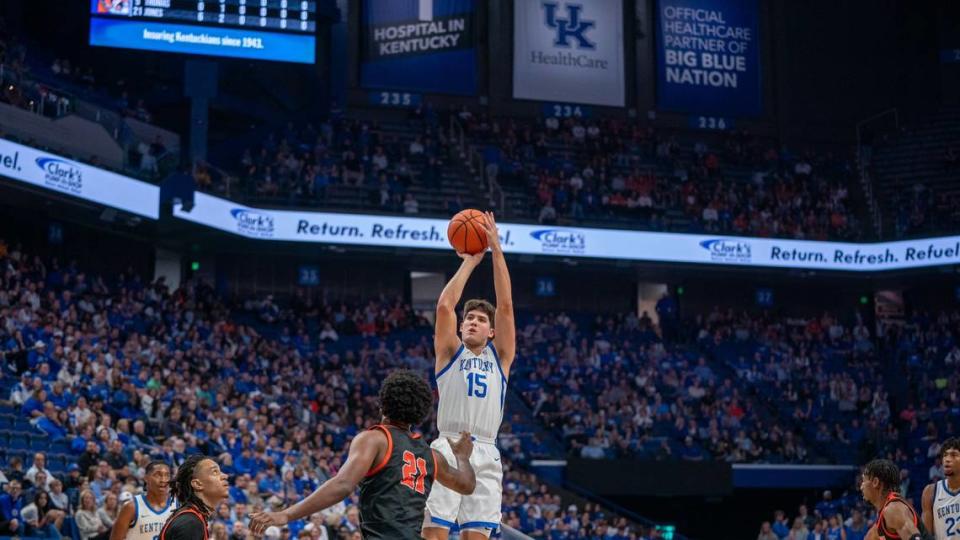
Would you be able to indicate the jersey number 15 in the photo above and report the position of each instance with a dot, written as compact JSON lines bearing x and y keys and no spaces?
{"x":476,"y":385}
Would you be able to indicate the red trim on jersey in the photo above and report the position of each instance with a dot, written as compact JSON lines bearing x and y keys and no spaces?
{"x":881,"y":524}
{"x":185,"y":510}
{"x":414,"y":436}
{"x":434,"y":454}
{"x":386,"y":456}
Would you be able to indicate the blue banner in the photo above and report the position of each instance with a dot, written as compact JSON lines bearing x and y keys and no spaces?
{"x":205,"y":40}
{"x":708,"y":57}
{"x":419,"y":45}
{"x":748,"y":475}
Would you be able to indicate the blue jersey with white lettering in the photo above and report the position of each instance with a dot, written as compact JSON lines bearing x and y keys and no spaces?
{"x":472,"y":390}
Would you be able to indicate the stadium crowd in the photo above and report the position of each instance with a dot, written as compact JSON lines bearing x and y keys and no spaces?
{"x":104,"y":373}
{"x":115,"y":371}
{"x":744,"y":387}
{"x":575,"y":171}
{"x":300,"y":165}
{"x":844,"y":518}
{"x":734,"y":183}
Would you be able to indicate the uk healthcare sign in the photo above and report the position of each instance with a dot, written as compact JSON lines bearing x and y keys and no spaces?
{"x":573,"y":242}
{"x":59,"y":174}
{"x":708,"y":57}
{"x":569,"y":52}
{"x":420,"y":45}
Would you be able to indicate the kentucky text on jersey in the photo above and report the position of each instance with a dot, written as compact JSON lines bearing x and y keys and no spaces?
{"x":149,"y":528}
{"x":477,"y":364}
{"x":948,"y":510}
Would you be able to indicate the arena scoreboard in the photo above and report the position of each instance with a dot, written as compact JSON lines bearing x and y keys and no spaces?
{"x":279,"y":30}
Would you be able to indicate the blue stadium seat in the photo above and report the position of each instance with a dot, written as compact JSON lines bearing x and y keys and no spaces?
{"x":60,"y":447}
{"x":18,"y":441}
{"x":40,"y":442}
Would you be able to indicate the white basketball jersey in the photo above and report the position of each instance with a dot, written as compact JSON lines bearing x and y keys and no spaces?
{"x":472,"y":393}
{"x":946,"y":512}
{"x":148,"y":521}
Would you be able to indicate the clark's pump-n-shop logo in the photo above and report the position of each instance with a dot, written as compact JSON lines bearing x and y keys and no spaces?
{"x":253,"y":222}
{"x":724,"y":250}
{"x":61,"y":175}
{"x":560,"y":241}
{"x":570,"y":30}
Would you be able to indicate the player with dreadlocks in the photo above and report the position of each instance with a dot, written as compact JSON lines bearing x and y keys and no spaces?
{"x":896,"y":518}
{"x":199,"y":486}
{"x":394,"y":467}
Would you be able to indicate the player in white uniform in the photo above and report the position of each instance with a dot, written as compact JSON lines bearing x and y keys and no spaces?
{"x":143,"y":517}
{"x":472,"y":372}
{"x":941,"y":500}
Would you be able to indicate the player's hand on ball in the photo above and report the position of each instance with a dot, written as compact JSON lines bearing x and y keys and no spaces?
{"x":464,"y":447}
{"x":259,"y":521}
{"x":493,"y":234}
{"x":472,"y":259}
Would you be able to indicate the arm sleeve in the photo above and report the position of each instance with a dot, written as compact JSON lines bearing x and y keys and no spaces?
{"x":185,"y":527}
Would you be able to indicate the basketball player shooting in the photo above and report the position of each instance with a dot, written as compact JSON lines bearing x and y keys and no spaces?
{"x":471,"y":372}
{"x":941,"y":499}
{"x":143,"y":517}
{"x":394,"y":467}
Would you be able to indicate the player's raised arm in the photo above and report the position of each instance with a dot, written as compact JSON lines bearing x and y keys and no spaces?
{"x":926,"y":507}
{"x":463,"y":480}
{"x":445,"y":340}
{"x":364,"y":450}
{"x":505,"y":336}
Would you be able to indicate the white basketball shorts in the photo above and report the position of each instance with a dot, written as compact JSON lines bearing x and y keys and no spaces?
{"x":479,"y":511}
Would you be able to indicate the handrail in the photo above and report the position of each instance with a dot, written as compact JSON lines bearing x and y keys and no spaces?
{"x":494,"y":189}
{"x":69,"y":103}
{"x":228,"y":178}
{"x":476,"y":162}
{"x":863,"y":166}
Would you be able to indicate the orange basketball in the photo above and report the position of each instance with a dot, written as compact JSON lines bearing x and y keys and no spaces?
{"x":466,"y":233}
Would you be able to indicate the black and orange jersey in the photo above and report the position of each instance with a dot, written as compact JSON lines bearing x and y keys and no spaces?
{"x":882,"y":529}
{"x":394,"y":493}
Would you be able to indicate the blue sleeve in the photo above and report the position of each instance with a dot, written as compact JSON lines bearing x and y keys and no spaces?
{"x":6,"y":507}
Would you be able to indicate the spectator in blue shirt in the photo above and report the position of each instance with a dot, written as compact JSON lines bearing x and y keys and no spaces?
{"x":50,"y":424}
{"x":857,"y":526}
{"x":33,"y":406}
{"x":827,"y":507}
{"x":238,"y":491}
{"x":11,"y":503}
{"x":780,"y":526}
